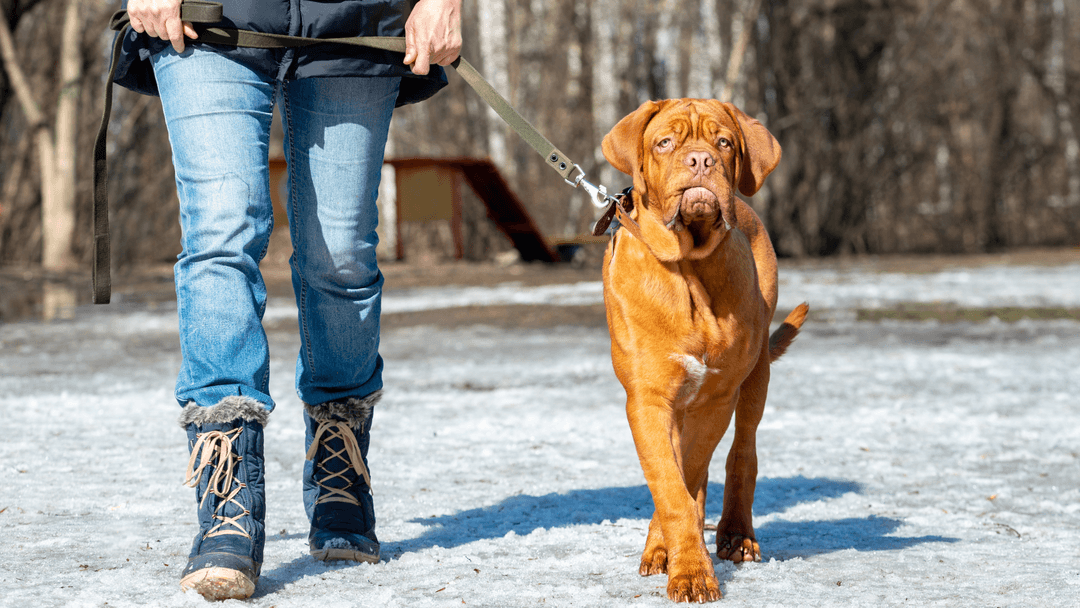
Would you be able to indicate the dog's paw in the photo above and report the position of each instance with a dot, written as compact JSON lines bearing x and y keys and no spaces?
{"x":653,"y":561}
{"x":737,"y":548}
{"x":698,"y":585}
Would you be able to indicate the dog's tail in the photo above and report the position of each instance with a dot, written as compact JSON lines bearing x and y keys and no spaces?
{"x":785,"y":334}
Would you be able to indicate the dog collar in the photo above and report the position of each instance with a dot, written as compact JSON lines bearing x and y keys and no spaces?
{"x":617,"y":207}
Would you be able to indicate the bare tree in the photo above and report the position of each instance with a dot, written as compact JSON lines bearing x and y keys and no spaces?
{"x":494,"y":48}
{"x":56,"y":145}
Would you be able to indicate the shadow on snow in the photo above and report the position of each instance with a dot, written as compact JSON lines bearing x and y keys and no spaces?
{"x":523,"y":514}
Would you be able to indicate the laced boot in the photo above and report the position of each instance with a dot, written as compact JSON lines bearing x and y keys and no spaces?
{"x":337,"y":485}
{"x":226,"y":470}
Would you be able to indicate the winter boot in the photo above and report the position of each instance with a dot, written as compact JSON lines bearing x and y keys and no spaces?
{"x":226,"y":470}
{"x":337,"y":486}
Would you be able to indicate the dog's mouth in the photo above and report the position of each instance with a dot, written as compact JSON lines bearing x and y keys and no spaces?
{"x":699,"y":207}
{"x":697,"y":203}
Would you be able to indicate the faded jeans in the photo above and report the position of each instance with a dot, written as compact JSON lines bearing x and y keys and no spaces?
{"x":218,"y":114}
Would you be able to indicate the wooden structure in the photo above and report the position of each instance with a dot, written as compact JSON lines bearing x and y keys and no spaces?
{"x":279,"y":172}
{"x":430,"y":189}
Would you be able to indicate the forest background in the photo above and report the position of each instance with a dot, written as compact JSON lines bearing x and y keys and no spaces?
{"x":907,"y":126}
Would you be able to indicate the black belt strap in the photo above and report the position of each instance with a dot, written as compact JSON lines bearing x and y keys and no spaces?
{"x":199,"y":11}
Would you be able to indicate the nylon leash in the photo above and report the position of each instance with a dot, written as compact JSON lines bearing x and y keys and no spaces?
{"x":203,"y":12}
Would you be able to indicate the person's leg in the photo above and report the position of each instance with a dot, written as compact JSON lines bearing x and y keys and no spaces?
{"x":218,"y":116}
{"x":218,"y":113}
{"x":335,"y":133}
{"x":335,"y":130}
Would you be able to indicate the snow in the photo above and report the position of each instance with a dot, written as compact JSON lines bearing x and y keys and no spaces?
{"x":900,"y":463}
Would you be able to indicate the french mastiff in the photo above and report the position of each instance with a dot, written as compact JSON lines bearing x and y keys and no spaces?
{"x":690,"y":287}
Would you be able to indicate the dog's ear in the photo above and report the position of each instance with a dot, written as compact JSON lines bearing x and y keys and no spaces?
{"x":761,"y":151}
{"x":622,"y":146}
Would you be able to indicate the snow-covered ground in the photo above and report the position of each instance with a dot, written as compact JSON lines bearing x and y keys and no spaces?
{"x":901,"y":463}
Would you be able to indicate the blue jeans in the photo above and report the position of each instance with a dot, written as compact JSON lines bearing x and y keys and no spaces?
{"x":218,"y":114}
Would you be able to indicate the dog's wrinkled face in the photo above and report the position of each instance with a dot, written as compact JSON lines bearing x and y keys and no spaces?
{"x":689,"y":155}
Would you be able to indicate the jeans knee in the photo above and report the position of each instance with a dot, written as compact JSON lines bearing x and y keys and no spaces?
{"x":223,"y":216}
{"x":342,"y":273}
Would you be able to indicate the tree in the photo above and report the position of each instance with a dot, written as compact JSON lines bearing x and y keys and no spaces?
{"x":56,"y":144}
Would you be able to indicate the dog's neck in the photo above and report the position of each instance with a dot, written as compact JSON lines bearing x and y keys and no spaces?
{"x":706,"y":235}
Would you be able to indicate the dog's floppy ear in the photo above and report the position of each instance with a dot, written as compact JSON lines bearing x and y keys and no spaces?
{"x":622,"y":146}
{"x":761,"y":151}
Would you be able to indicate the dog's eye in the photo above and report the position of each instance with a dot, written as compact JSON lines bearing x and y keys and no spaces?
{"x":724,"y":142}
{"x":664,"y":144}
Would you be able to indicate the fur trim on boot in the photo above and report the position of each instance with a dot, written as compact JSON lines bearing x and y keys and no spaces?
{"x":226,"y":410}
{"x":354,"y":411}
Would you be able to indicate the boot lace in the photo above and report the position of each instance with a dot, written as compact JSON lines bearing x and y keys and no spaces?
{"x":348,"y":454}
{"x":216,"y":451}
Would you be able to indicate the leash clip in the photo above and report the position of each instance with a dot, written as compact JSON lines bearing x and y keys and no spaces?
{"x":597,"y":194}
{"x":610,"y":219}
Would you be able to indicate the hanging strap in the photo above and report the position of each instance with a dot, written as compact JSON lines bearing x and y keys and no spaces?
{"x":202,"y":12}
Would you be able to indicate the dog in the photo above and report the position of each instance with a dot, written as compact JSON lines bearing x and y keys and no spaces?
{"x":690,"y":288}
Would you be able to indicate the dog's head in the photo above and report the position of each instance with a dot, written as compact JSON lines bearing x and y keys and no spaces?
{"x":687,"y":158}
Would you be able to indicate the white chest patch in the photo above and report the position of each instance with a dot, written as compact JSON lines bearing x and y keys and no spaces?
{"x":696,"y":372}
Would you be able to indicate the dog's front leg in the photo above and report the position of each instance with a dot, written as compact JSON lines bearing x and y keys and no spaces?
{"x":675,"y":534}
{"x":735,"y":538}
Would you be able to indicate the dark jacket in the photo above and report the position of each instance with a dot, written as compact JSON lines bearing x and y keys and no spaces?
{"x":309,"y":18}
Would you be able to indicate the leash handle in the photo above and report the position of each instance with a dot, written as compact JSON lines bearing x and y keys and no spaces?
{"x":195,"y":11}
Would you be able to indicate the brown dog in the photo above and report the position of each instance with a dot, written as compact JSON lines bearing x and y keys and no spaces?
{"x":690,"y":291}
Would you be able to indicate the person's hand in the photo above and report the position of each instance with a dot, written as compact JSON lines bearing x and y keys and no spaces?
{"x":160,"y":19}
{"x":432,"y":34}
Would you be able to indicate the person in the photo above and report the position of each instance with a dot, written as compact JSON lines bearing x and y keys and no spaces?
{"x":336,"y":104}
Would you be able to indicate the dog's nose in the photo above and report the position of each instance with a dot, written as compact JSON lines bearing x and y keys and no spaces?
{"x":700,"y":161}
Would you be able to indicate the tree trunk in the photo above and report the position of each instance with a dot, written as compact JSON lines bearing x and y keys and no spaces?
{"x":706,"y":52}
{"x":494,"y":49}
{"x":606,"y":81}
{"x":56,"y":161}
{"x":60,"y":221}
{"x":738,"y":50}
{"x":1056,"y":75}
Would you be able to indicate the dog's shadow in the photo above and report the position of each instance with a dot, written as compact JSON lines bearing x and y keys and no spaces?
{"x":522,"y":514}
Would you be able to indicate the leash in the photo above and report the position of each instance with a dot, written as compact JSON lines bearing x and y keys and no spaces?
{"x":204,"y":12}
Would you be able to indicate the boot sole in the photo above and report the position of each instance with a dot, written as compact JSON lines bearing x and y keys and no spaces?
{"x":219,"y":584}
{"x":332,"y":553}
